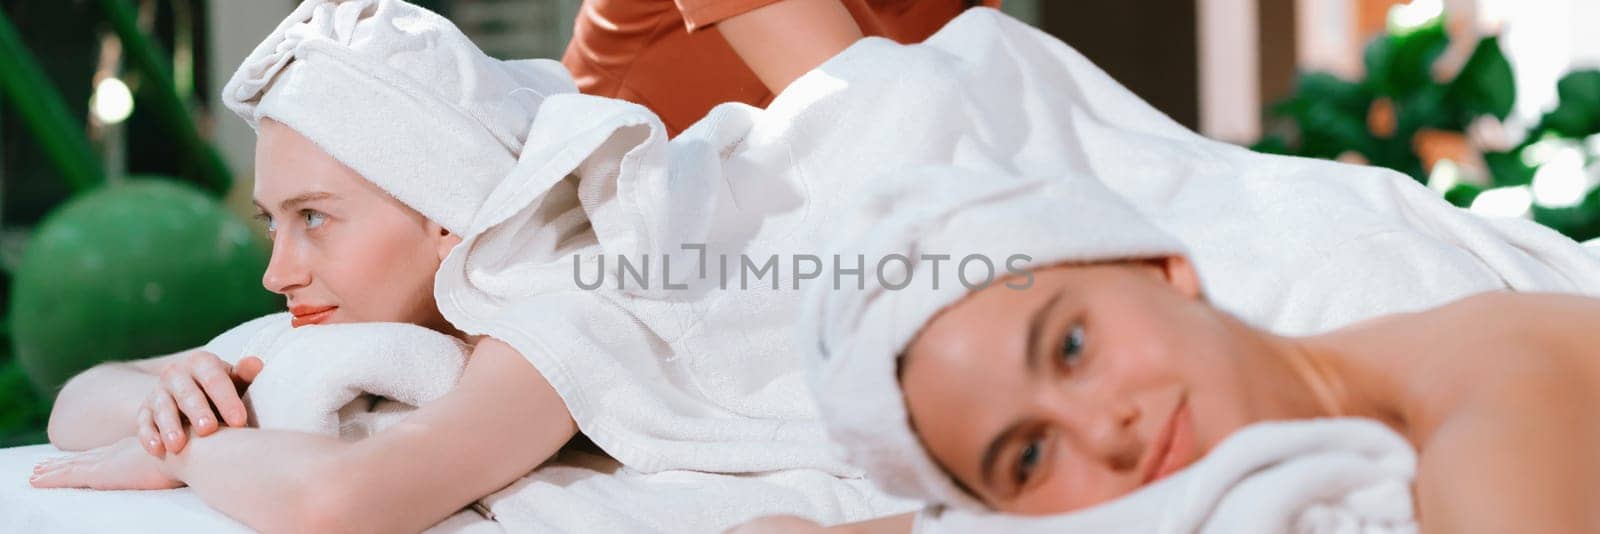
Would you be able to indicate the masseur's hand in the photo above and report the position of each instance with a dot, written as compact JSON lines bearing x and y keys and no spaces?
{"x":118,"y":466}
{"x":196,"y":389}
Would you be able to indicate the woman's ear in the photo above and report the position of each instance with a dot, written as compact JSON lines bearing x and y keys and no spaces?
{"x":446,"y":241}
{"x":1181,"y":274}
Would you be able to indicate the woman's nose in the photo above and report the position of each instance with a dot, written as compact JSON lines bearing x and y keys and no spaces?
{"x":1107,"y":430}
{"x":286,"y":270}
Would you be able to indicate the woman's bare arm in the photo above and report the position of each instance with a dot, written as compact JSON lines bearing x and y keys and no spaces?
{"x":501,"y":421}
{"x":97,"y":406}
{"x":783,"y":40}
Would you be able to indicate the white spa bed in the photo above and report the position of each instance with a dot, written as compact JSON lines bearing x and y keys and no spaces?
{"x":26,"y":509}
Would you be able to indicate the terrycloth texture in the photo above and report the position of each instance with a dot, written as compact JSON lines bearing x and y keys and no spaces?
{"x":1330,"y":476}
{"x":859,"y":332}
{"x":399,"y":94}
{"x":346,"y":380}
{"x":581,"y":492}
{"x":706,"y":377}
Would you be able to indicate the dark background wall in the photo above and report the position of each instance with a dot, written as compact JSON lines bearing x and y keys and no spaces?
{"x":1150,"y":46}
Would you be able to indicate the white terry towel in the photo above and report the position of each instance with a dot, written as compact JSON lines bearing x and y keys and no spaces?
{"x":706,"y":378}
{"x":1328,"y":476}
{"x":401,"y":96}
{"x":345,"y":380}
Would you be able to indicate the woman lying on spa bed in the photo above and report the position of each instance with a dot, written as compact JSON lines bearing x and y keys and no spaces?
{"x":366,"y":183}
{"x":1102,"y":368}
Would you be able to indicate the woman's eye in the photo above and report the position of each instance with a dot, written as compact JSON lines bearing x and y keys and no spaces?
{"x":1027,"y":461}
{"x":267,"y":222}
{"x":1072,"y":346}
{"x":313,"y":218}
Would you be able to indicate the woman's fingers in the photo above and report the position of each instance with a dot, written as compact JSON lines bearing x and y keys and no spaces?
{"x":62,"y":472}
{"x":50,"y":474}
{"x":217,"y":383}
{"x":168,"y":425}
{"x":191,"y":401}
{"x":149,"y":437}
{"x":248,"y":368}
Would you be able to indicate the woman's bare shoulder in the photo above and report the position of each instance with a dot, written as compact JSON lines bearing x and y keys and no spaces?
{"x":1488,"y":347}
{"x":1531,"y":313}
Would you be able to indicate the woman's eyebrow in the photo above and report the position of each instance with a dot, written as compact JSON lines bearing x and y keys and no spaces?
{"x":289,"y":203}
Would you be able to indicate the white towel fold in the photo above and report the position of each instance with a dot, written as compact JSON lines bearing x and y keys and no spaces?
{"x":1330,"y":476}
{"x":345,"y":380}
{"x":399,"y":94}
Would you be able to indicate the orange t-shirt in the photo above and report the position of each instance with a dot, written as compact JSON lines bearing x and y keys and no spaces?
{"x":667,"y":55}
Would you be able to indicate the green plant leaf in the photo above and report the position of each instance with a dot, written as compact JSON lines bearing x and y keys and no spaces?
{"x":1486,"y":84}
{"x":1425,"y":108}
{"x":1578,"y":113}
{"x":1330,"y":113}
{"x":1273,"y":144}
{"x":1507,"y":169}
{"x":1462,"y":195}
{"x":1581,"y":222}
{"x":1399,"y":65}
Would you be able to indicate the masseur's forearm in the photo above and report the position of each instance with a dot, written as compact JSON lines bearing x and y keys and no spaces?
{"x":501,"y":421}
{"x":98,"y":406}
{"x":783,"y":40}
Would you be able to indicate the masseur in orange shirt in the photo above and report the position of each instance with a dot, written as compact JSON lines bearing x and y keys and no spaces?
{"x":681,"y":57}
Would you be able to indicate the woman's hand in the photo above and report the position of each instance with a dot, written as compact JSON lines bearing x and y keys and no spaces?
{"x":196,"y":388}
{"x":118,"y":466}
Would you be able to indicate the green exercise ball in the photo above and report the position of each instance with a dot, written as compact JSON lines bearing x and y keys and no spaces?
{"x":138,"y":269}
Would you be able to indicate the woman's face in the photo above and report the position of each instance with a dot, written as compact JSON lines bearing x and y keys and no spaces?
{"x":1097,"y":380}
{"x":343,"y":250}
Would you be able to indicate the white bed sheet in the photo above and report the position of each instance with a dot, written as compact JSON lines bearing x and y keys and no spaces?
{"x":27,"y":509}
{"x":24,"y":508}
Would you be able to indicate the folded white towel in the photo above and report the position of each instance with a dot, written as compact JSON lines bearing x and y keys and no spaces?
{"x":346,"y":380}
{"x":1330,"y":476}
{"x":399,"y":94}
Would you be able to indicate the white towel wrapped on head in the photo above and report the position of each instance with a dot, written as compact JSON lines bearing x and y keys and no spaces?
{"x":400,"y":95}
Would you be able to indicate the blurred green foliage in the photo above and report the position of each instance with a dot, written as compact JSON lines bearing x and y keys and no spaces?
{"x":1327,"y":117}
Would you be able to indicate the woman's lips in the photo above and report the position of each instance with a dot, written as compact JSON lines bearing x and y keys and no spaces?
{"x":304,"y":315}
{"x":1174,"y":446}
